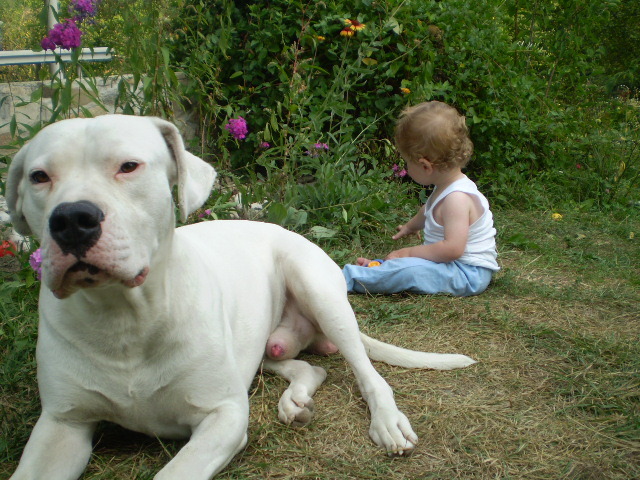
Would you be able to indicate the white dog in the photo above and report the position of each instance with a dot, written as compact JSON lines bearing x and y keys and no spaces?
{"x":162,"y":330}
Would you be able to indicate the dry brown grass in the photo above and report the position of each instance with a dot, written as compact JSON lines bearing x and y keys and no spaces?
{"x":555,"y":395}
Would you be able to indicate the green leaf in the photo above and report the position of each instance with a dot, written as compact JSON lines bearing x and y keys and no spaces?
{"x":165,"y":55}
{"x":393,"y":24}
{"x":322,"y":232}
{"x":13,"y":126}
{"x":277,"y":213}
{"x":36,"y":95}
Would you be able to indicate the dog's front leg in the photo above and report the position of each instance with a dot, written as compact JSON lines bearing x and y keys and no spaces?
{"x":56,"y":450}
{"x":213,"y":443}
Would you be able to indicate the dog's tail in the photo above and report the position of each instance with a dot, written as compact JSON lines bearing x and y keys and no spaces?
{"x":401,"y":357}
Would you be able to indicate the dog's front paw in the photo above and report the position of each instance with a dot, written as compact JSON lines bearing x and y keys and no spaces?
{"x":295,"y":409}
{"x":391,"y":430}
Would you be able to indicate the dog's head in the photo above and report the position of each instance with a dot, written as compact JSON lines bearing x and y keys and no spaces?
{"x":97,"y":193}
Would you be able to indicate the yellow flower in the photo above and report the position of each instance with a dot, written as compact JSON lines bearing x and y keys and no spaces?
{"x":320,"y":38}
{"x":556,"y":216}
{"x":405,"y":90}
{"x":347,"y":32}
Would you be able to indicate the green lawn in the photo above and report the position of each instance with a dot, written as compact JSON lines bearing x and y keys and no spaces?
{"x":556,"y":392}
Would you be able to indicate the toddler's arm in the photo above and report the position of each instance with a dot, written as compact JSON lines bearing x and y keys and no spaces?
{"x":455,"y":213}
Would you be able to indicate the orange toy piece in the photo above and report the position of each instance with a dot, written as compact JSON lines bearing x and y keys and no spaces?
{"x":375,"y":263}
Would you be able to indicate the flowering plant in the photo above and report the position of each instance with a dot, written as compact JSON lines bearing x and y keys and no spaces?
{"x":238,"y":128}
{"x":7,"y":249}
{"x":83,"y":9}
{"x":35,"y":260}
{"x":67,"y":34}
{"x":398,"y":172}
{"x":352,"y":26}
{"x":317,"y":149}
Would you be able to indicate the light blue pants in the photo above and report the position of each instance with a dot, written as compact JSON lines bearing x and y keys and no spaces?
{"x":416,"y":275}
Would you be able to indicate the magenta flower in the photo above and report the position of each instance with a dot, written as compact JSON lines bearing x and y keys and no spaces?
{"x":35,"y":260}
{"x":238,"y":128}
{"x":265,"y":145}
{"x":65,"y":35}
{"x":83,"y":9}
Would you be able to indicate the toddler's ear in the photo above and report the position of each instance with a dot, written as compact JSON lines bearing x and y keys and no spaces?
{"x":425,"y":163}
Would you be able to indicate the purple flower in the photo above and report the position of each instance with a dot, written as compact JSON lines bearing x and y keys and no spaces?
{"x":65,"y":35}
{"x":265,"y":145}
{"x":35,"y":260}
{"x":397,"y":172}
{"x":317,"y":149}
{"x":238,"y":128}
{"x":83,"y":9}
{"x":48,"y":44}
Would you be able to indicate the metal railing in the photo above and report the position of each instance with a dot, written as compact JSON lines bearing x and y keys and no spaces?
{"x":30,"y":57}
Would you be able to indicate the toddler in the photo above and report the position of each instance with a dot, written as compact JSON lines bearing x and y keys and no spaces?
{"x":458,"y":255}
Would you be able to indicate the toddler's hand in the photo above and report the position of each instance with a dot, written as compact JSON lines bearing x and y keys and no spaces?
{"x":362,"y":261}
{"x":403,"y":231}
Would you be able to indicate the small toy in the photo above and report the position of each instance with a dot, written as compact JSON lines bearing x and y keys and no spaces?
{"x":375,"y":263}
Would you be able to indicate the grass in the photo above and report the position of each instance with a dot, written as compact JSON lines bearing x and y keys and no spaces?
{"x":555,"y":395}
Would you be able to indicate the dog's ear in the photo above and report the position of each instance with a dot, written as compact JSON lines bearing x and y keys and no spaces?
{"x":195,"y":176}
{"x":13,"y":191}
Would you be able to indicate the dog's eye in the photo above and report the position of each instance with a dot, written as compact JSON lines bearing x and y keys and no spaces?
{"x":128,"y":167}
{"x":39,"y":176}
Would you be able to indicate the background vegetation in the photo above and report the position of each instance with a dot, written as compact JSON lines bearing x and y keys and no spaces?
{"x":550,"y":91}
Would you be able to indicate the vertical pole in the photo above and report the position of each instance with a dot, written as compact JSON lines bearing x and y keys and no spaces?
{"x":52,"y":6}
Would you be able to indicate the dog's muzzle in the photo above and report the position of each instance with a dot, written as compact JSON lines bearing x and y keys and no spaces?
{"x":75,"y":226}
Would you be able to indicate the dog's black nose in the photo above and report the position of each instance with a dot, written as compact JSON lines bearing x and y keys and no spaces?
{"x":76,"y":226}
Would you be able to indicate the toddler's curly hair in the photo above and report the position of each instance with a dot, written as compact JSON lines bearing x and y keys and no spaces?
{"x":435,"y":131}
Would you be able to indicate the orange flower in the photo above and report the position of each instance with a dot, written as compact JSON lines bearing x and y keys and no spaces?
{"x":405,"y":90}
{"x":354,"y":25}
{"x":320,"y":38}
{"x":347,"y":32}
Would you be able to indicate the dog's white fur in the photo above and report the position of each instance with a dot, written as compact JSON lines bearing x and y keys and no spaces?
{"x":165,"y":332}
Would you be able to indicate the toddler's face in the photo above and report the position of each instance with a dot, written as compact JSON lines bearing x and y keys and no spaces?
{"x":419,"y":173}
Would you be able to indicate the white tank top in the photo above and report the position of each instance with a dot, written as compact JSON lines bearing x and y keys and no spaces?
{"x":481,"y":244}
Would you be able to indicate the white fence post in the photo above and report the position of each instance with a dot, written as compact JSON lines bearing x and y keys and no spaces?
{"x":52,"y":6}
